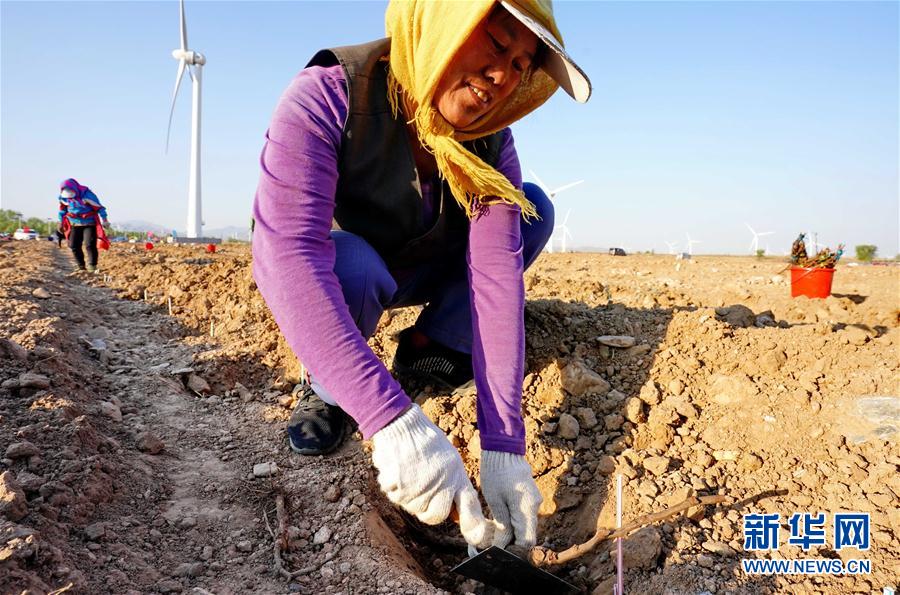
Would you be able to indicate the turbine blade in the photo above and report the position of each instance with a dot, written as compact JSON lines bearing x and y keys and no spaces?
{"x":566,"y":187}
{"x":765,"y":233}
{"x":184,"y":43}
{"x":540,"y":182}
{"x":566,"y":220}
{"x":750,"y":228}
{"x":181,"y":67}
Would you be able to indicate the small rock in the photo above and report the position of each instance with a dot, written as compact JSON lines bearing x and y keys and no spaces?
{"x":726,"y":455}
{"x":855,"y":335}
{"x":193,"y":569}
{"x":333,"y":493}
{"x":676,"y":387}
{"x":29,"y":380}
{"x":265,"y":469}
{"x":322,"y":535}
{"x":586,"y":417}
{"x":729,"y":390}
{"x":549,"y":427}
{"x":110,"y":410}
{"x":718,"y":547}
{"x":606,"y":464}
{"x":13,"y":504}
{"x":705,"y":561}
{"x":737,"y":315}
{"x":198,"y":385}
{"x":568,"y":427}
{"x":41,"y":293}
{"x":764,"y":319}
{"x":150,"y":443}
{"x":642,"y":549}
{"x":29,"y":481}
{"x":169,"y":586}
{"x":750,"y":462}
{"x":634,"y":410}
{"x":244,"y":546}
{"x":772,"y":360}
{"x":21,"y":450}
{"x":616,"y":396}
{"x":206,"y":553}
{"x":95,"y":531}
{"x":243,"y":392}
{"x":13,"y":350}
{"x":657,"y":465}
{"x":650,"y":394}
{"x":579,"y":380}
{"x":613,"y":421}
{"x":620,"y":341}
{"x":187,"y":522}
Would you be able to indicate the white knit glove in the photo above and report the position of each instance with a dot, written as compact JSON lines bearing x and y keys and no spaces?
{"x":514,"y":498}
{"x":420,"y":471}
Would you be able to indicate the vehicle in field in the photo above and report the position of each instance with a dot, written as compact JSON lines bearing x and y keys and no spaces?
{"x":25,"y":233}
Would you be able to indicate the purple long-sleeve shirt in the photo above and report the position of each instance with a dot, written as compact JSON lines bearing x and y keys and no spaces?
{"x":294,"y":257}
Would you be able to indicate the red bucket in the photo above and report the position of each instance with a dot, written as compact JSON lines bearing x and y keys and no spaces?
{"x":813,"y":283}
{"x":148,"y":246}
{"x":211,"y":248}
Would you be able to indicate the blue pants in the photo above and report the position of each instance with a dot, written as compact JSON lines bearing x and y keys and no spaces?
{"x":369,"y":287}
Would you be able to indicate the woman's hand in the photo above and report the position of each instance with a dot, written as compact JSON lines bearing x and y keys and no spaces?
{"x":106,"y":223}
{"x":513,"y":496}
{"x":420,"y":471}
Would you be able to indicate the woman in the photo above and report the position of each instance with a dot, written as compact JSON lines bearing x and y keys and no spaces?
{"x":390,"y":178}
{"x":81,"y":220}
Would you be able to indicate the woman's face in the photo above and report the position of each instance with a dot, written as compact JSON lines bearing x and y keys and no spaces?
{"x":486,"y":69}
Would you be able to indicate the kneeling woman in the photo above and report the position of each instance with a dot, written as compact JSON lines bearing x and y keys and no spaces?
{"x":390,"y":178}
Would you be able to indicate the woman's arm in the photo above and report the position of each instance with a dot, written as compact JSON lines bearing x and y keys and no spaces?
{"x":294,"y":256}
{"x":498,"y":309}
{"x":91,"y":200}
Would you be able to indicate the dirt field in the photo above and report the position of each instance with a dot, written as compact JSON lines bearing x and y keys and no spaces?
{"x":142,"y":413}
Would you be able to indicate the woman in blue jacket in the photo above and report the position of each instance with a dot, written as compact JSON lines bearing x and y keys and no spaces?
{"x":80,"y":213}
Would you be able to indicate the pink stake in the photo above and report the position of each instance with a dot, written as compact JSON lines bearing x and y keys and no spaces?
{"x":620,"y":571}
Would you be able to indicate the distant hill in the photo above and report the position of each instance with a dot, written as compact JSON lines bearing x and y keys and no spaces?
{"x":141,"y":226}
{"x":225,"y":233}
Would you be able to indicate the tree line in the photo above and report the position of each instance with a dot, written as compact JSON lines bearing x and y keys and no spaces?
{"x":11,"y":220}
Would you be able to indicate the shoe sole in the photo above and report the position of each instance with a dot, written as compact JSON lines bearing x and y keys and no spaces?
{"x":318,"y":451}
{"x":399,"y":368}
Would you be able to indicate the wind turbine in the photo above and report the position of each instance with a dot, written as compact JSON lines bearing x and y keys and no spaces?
{"x":545,"y":188}
{"x":671,"y":246}
{"x":690,"y":244}
{"x":192,"y":62}
{"x":754,"y":245}
{"x":563,"y":231}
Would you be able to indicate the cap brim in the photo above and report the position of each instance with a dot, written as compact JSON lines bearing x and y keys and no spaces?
{"x":558,"y":64}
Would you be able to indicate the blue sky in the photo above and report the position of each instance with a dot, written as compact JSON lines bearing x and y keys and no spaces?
{"x":705,"y":115}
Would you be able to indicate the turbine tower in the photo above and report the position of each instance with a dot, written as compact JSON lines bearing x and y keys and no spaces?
{"x":192,"y":62}
{"x":563,"y":230}
{"x":754,"y":245}
{"x":690,"y":244}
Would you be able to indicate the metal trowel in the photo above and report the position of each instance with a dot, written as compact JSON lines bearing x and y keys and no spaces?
{"x":508,"y":572}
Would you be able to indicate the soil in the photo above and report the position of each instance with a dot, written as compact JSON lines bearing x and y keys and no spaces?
{"x":142,"y":416}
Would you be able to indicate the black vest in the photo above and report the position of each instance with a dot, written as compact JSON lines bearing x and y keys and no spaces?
{"x":378,"y":192}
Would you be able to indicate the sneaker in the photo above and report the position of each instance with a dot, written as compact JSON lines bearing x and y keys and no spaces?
{"x":418,"y":355}
{"x":315,"y":427}
{"x":92,"y":268}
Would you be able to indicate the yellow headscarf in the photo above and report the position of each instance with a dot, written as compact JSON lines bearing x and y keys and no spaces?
{"x":425,"y":35}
